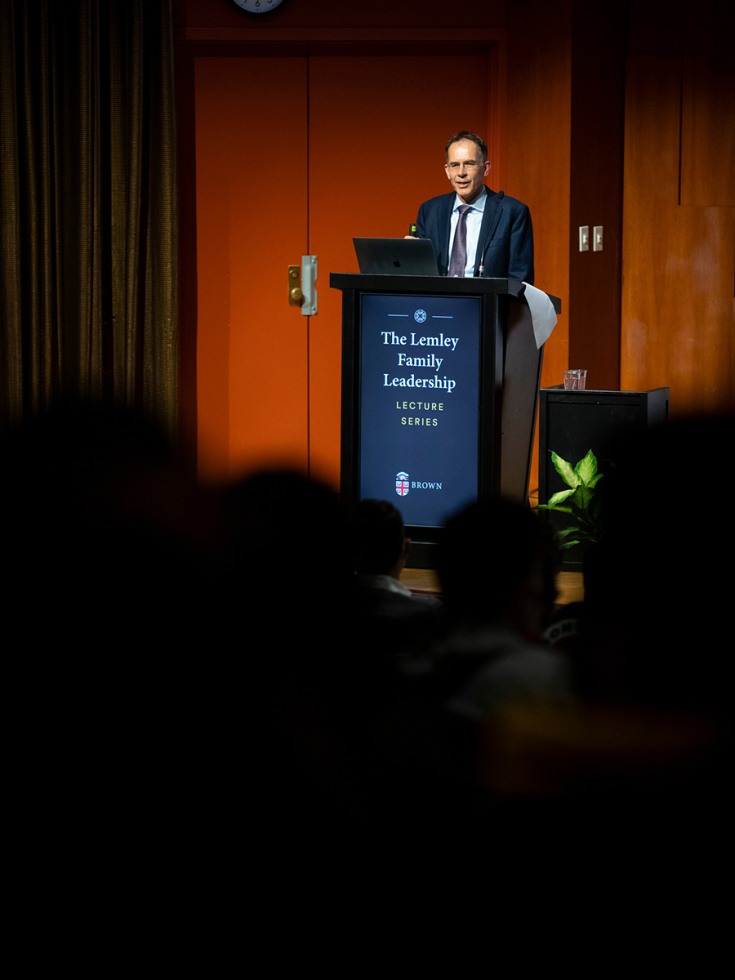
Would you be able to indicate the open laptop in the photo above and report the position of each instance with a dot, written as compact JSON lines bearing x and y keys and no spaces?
{"x":396,"y":256}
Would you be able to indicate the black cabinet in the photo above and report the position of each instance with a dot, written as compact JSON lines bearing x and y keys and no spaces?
{"x":573,"y":422}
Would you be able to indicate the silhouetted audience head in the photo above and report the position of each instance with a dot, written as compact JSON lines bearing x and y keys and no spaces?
{"x":498,"y":562}
{"x":103,"y":519}
{"x":284,"y":525}
{"x":286,"y":558}
{"x":378,"y":537}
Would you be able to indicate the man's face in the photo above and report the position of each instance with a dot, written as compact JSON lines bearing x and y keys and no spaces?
{"x":466,"y":169}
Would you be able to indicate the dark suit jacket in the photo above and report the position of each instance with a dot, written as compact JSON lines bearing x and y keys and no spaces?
{"x":506,"y":235}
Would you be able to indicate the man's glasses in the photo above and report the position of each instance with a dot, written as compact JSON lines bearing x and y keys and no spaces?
{"x":467,"y":165}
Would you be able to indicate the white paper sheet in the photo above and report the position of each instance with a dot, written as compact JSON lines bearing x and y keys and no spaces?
{"x":543,"y":314}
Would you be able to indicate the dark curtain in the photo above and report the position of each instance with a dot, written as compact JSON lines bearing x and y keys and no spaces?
{"x":87,"y":206}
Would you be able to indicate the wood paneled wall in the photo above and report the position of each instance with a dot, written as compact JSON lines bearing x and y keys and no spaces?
{"x":678,"y":296}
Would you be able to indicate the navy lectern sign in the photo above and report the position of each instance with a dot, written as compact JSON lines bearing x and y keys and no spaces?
{"x":418,"y":398}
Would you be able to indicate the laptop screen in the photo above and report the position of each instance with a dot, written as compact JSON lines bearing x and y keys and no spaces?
{"x":396,"y":256}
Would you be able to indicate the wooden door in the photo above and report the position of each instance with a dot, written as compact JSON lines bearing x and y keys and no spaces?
{"x":296,"y":154}
{"x":251,"y":204}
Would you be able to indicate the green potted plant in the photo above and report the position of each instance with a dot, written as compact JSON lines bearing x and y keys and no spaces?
{"x":581,"y":502}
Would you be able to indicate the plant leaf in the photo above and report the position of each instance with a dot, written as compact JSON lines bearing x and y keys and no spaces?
{"x":569,"y":544}
{"x":583,"y":496}
{"x":565,"y":470}
{"x":565,"y":532}
{"x":586,"y":468}
{"x":559,"y":497}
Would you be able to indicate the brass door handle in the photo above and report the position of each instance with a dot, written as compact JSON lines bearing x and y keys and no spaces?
{"x":295,"y":292}
{"x":302,"y":285}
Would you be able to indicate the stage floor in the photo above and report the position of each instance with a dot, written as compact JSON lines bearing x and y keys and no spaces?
{"x":571,"y":586}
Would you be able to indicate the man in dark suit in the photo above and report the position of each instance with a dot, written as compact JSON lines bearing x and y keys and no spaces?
{"x":499,"y":232}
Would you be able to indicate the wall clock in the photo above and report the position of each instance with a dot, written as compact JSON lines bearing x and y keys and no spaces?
{"x":257,"y":6}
